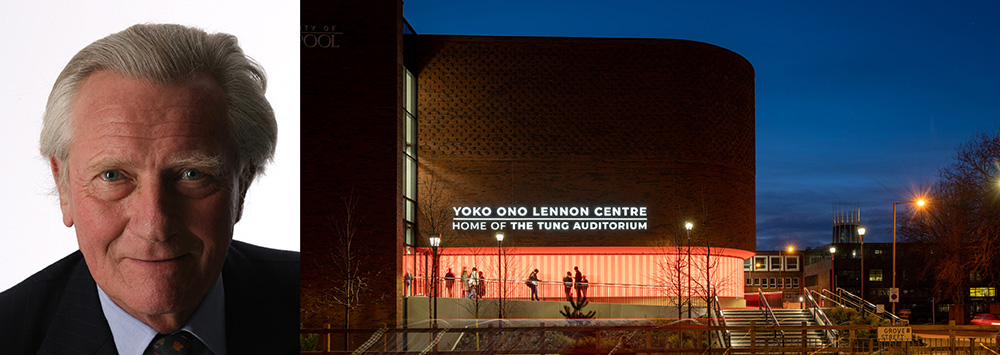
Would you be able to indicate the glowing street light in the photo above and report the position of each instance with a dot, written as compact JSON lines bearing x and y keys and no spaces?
{"x":435,"y":242}
{"x":688,"y":226}
{"x":861,"y":233}
{"x":499,"y":274}
{"x":833,"y":268}
{"x":919,"y":203}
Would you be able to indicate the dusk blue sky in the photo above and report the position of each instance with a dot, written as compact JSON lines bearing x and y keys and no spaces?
{"x":856,"y":102}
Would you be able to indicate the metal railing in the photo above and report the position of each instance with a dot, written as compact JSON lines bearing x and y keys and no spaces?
{"x":821,"y":319}
{"x":635,"y":339}
{"x":864,"y":306}
{"x":769,"y":313}
{"x":652,"y":295}
{"x":719,"y":319}
{"x":844,"y":298}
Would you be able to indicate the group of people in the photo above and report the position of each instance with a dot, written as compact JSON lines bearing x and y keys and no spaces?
{"x":579,"y":280}
{"x":470,"y":282}
{"x":472,"y":285}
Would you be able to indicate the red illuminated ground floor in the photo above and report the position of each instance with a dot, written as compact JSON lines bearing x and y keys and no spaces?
{"x":614,"y":274}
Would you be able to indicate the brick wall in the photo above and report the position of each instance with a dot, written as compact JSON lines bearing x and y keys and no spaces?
{"x":351,"y":118}
{"x":520,"y":121}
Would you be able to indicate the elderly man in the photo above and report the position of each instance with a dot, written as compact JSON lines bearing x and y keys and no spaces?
{"x":154,"y":134}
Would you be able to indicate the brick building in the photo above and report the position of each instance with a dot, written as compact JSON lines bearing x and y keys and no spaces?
{"x":582,"y":151}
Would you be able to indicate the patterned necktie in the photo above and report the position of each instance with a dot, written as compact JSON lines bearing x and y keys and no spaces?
{"x":172,"y":344}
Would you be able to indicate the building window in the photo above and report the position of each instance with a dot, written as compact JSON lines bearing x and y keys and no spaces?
{"x":775,"y":263}
{"x":812,"y":280}
{"x":875,"y":275}
{"x":772,"y":283}
{"x":878,"y":251}
{"x":756,"y":282}
{"x":792,"y":262}
{"x":980,"y":292}
{"x":747,"y":263}
{"x":760,"y":263}
{"x":410,"y":158}
{"x":795,"y":282}
{"x":788,"y":282}
{"x":749,"y":281}
{"x":780,"y":284}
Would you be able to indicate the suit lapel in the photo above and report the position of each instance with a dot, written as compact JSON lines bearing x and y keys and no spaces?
{"x":258,"y":319}
{"x":79,"y":326}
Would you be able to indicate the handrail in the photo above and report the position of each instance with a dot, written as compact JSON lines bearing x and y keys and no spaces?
{"x":724,"y":337}
{"x":769,"y":313}
{"x":863,"y":306}
{"x":821,"y":318}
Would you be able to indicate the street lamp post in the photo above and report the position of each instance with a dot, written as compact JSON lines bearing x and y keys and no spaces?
{"x":435,"y":242}
{"x":781,"y":273}
{"x":833,"y":269}
{"x":919,"y":202}
{"x":861,"y":232}
{"x":500,"y":274}
{"x":688,"y":226}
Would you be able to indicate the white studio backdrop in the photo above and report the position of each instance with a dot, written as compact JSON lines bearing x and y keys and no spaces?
{"x":37,"y":38}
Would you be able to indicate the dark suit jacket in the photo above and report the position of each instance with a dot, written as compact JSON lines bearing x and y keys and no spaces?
{"x":57,"y":310}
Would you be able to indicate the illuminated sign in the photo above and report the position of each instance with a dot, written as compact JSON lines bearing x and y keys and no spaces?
{"x":572,"y":218}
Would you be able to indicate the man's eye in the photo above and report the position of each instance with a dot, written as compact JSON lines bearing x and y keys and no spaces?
{"x":192,"y":174}
{"x":111,"y":175}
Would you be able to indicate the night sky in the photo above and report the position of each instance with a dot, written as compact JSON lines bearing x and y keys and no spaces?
{"x":856,"y":102}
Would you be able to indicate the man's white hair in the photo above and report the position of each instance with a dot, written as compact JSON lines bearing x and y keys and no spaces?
{"x":167,"y":53}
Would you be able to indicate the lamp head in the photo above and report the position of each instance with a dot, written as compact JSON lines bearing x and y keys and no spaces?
{"x":688,"y":225}
{"x":861,"y":231}
{"x":499,"y":237}
{"x":435,"y":241}
{"x":833,"y":250}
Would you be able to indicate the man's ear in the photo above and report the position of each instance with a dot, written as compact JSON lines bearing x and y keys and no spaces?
{"x":61,"y":186}
{"x":246,"y":178}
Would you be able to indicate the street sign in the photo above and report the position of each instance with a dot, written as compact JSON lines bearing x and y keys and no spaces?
{"x":895,"y":334}
{"x":894,"y":295}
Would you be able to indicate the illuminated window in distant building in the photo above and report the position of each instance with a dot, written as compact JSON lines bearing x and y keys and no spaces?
{"x":980,"y":292}
{"x":874,"y":274}
{"x":878,"y":251}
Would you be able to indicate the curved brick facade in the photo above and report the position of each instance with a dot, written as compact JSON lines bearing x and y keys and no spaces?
{"x":518,"y":121}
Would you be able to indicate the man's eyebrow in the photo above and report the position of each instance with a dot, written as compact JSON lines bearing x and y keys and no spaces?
{"x":213,"y":162}
{"x":107,"y":164}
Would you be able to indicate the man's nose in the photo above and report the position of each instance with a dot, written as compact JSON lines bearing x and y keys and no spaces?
{"x":152,"y":211}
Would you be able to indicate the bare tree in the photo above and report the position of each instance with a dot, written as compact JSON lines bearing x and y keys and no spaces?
{"x":433,"y":207}
{"x":349,"y":267}
{"x":671,"y":271}
{"x":961,"y":225}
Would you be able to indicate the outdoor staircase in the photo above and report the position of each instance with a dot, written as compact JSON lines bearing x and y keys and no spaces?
{"x":786,"y":317}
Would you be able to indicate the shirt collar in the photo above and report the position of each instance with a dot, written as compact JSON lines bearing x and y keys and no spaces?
{"x":208,"y":323}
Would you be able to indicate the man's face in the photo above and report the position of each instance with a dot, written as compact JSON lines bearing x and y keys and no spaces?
{"x":152,"y":189}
